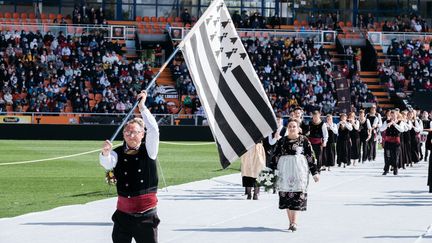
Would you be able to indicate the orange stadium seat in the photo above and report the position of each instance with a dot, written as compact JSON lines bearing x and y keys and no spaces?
{"x":146,"y":19}
{"x":43,"y":16}
{"x":177,"y":19}
{"x":1,"y":15}
{"x":8,"y":15}
{"x":153,"y":19}
{"x":23,"y":16}
{"x":51,"y":16}
{"x":170,"y":19}
{"x":138,"y":19}
{"x":32,"y":16}
{"x":162,"y":19}
{"x":15,"y":15}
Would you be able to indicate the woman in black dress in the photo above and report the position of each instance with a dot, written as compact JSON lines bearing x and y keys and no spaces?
{"x":355,"y":138}
{"x":343,"y":144}
{"x":329,"y":153}
{"x":296,"y":161}
{"x":365,"y":134}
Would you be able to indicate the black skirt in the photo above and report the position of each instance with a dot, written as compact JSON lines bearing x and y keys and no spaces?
{"x":293,"y":201}
{"x":248,"y":181}
{"x":329,"y":154}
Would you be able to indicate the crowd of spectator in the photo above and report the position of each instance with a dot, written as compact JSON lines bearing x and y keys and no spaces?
{"x":83,"y":14}
{"x":412,"y":69}
{"x":47,"y":73}
{"x":406,"y":23}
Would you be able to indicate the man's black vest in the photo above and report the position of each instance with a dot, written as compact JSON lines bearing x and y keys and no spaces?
{"x":136,"y":174}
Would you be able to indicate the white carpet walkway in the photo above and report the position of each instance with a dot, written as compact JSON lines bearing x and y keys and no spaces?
{"x":355,"y":204}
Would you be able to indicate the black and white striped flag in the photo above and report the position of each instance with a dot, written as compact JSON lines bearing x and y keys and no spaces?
{"x":238,"y":110}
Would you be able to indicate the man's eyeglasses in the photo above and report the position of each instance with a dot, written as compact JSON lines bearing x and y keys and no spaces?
{"x":130,"y":133}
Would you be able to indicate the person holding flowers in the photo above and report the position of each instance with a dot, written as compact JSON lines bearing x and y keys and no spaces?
{"x":296,"y":161}
{"x":134,"y":168}
{"x":252,"y":163}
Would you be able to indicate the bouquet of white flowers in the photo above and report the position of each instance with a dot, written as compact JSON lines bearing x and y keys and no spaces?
{"x":267,"y":179}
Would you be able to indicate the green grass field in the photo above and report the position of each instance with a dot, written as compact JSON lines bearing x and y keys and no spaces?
{"x":44,"y":185}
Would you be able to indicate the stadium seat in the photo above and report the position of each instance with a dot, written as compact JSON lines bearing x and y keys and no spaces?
{"x":153,"y":19}
{"x":32,"y":16}
{"x":23,"y":16}
{"x":142,"y":31}
{"x":178,"y":19}
{"x":51,"y":16}
{"x":43,"y":16}
{"x":146,"y":19}
{"x":138,"y":19}
{"x":170,"y":19}
{"x":162,"y":19}
{"x":15,"y":15}
{"x":8,"y":15}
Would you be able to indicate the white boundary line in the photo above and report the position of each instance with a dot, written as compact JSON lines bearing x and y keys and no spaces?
{"x":428,"y":231}
{"x":89,"y":152}
{"x":55,"y":158}
{"x":41,"y":160}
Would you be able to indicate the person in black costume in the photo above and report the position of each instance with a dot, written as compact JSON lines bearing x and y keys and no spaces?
{"x":329,"y":153}
{"x":392,"y":144}
{"x":365,"y":135}
{"x":343,"y":144}
{"x":355,"y":138}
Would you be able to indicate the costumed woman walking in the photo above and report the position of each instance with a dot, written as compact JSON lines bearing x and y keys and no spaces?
{"x":343,"y":144}
{"x":296,"y":161}
{"x":329,"y":153}
{"x":252,"y":163}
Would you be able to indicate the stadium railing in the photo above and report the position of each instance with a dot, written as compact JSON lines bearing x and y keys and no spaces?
{"x":110,"y":31}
